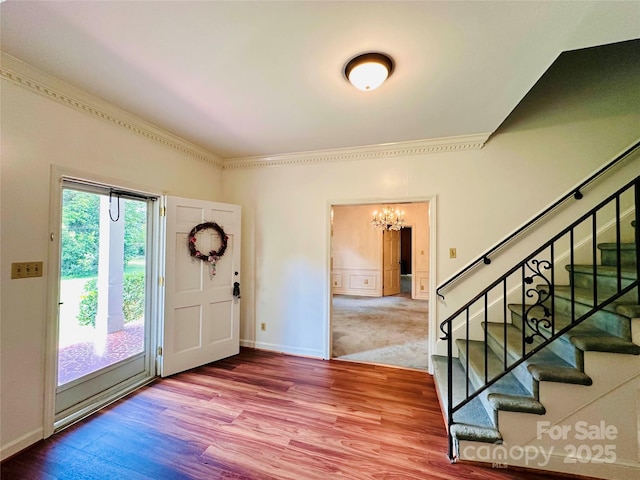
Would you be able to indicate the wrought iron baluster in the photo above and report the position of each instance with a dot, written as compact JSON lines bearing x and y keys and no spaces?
{"x":467,"y":361}
{"x":523,"y":313}
{"x":551,"y":286}
{"x":636,"y":186}
{"x":486,"y":343}
{"x":504,"y":321}
{"x":540,"y":296}
{"x":449,"y":387}
{"x":594,"y":247}
{"x":573,"y":276}
{"x":618,"y":245}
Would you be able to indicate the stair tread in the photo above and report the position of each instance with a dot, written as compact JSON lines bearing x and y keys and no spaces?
{"x":555,"y":373}
{"x":614,"y":246}
{"x":516,"y":403}
{"x":583,"y":336}
{"x":585,"y":296}
{"x":628,"y":273}
{"x":514,"y":347}
{"x":509,"y":384}
{"x":560,"y":321}
{"x":475,"y":433}
{"x":472,"y":414}
{"x":590,"y":343}
{"x":628,"y":310}
{"x":471,"y":422}
{"x":544,"y":365}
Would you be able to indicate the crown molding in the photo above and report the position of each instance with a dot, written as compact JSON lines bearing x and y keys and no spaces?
{"x":37,"y":81}
{"x":13,"y":70}
{"x":400,"y":149}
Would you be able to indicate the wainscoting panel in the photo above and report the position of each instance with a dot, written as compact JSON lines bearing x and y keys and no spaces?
{"x":422,"y":284}
{"x":349,"y":281}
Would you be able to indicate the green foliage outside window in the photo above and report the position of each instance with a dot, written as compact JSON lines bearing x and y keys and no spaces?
{"x":133,"y":299}
{"x":80,"y":233}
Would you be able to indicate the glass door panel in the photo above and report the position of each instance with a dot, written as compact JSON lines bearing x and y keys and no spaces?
{"x":103,"y":330}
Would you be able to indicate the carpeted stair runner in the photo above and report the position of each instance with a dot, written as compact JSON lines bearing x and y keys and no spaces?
{"x":608,"y":330}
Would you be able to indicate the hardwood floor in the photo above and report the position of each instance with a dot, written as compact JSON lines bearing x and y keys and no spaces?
{"x":262,"y":415}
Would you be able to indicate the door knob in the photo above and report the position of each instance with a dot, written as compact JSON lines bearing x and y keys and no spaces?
{"x":236,"y":289}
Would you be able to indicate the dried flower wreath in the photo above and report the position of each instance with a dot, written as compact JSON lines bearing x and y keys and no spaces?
{"x":214,"y":255}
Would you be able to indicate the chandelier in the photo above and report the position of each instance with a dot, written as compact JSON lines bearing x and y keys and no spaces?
{"x":388,"y":219}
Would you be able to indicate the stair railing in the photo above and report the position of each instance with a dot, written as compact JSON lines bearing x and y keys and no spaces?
{"x":575,"y":193}
{"x":533,"y":280}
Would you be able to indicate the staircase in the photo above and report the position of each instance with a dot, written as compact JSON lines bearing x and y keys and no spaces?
{"x":540,"y":374}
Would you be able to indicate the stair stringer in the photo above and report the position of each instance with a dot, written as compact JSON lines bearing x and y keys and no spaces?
{"x":614,"y":398}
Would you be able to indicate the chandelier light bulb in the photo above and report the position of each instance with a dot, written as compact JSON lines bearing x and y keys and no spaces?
{"x":388,"y":219}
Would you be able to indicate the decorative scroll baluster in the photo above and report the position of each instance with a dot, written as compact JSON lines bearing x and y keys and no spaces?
{"x":540,"y":296}
{"x":553,"y":298}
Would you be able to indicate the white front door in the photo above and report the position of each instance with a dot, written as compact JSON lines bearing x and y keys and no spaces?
{"x":202,"y":315}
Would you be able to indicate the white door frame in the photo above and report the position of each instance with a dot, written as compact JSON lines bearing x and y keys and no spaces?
{"x":433,"y":304}
{"x":57,"y":173}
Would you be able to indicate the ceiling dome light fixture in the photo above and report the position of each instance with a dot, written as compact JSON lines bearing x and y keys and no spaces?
{"x":368,"y":71}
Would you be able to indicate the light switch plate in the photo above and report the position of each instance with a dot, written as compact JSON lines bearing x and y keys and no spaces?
{"x":26,"y":269}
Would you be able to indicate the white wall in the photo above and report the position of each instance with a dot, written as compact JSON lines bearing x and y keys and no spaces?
{"x":482,"y":195}
{"x":569,"y":127}
{"x":37,"y":132}
{"x":356,"y":252}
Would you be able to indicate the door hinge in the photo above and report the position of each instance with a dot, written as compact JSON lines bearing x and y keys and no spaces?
{"x":159,"y":351}
{"x":161,"y":281}
{"x":163,"y":211}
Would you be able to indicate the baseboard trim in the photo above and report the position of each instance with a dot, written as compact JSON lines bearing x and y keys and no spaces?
{"x":25,"y":441}
{"x":272,"y":347}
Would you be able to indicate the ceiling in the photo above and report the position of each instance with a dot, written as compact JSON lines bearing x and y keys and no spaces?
{"x":245,"y":79}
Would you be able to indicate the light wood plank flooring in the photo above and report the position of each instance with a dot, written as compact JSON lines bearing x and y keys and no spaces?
{"x":262,"y":415}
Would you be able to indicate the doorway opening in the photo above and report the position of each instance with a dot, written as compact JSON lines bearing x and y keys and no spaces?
{"x":104,"y":340}
{"x":379,"y":295}
{"x":406,"y":260}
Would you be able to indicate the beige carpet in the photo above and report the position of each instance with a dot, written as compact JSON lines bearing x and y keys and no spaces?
{"x":387,"y":330}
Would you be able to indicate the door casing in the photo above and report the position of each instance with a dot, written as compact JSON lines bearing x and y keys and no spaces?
{"x":433,"y":304}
